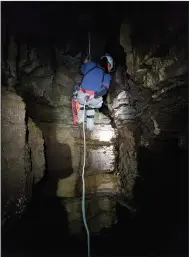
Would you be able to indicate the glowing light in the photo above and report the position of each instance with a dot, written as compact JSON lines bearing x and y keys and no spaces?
{"x":106,"y":135}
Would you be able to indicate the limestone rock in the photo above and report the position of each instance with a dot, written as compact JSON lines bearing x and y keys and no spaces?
{"x":106,"y":204}
{"x":15,"y":163}
{"x":125,"y":37}
{"x":13,"y":108}
{"x":98,"y":158}
{"x":122,"y":110}
{"x":67,"y":186}
{"x":40,"y":87}
{"x":100,"y":214}
{"x":36,"y":144}
{"x":74,"y":216}
{"x":127,"y":160}
{"x":33,"y":63}
{"x":12,"y":75}
{"x":63,"y":78}
{"x":125,"y":41}
{"x":100,"y":183}
{"x":101,"y":221}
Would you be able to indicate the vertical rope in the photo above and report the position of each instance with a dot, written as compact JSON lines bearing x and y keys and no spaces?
{"x":89,"y":45}
{"x":83,"y":180}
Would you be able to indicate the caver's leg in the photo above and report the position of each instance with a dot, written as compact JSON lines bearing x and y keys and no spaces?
{"x":81,"y":100}
{"x":90,"y":118}
{"x":95,"y":103}
{"x":81,"y":97}
{"x":92,"y":105}
{"x":80,"y":114}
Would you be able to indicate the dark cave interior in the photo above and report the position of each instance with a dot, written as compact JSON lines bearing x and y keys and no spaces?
{"x":160,"y":224}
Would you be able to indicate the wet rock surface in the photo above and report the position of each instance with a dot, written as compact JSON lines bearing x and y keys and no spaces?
{"x":48,"y":102}
{"x":137,"y":152}
{"x":36,"y":145}
{"x":22,"y":156}
{"x":158,"y":71}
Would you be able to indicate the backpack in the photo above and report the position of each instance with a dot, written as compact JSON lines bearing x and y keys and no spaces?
{"x":90,"y":71}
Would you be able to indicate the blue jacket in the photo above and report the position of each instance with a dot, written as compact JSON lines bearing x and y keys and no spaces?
{"x":95,"y":79}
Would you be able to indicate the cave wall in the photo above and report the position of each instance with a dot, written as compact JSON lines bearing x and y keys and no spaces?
{"x":123,"y":111}
{"x":155,"y":45}
{"x":15,"y":155}
{"x":55,"y":144}
{"x":158,"y":68}
{"x":22,"y":156}
{"x":44,"y":75}
{"x":36,"y":148}
{"x":148,"y":96}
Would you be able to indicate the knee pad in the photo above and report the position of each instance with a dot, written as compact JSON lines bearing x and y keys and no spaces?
{"x":90,"y":116}
{"x":90,"y":123}
{"x":90,"y":108}
{"x":80,"y":116}
{"x":90,"y":113}
{"x":86,"y":108}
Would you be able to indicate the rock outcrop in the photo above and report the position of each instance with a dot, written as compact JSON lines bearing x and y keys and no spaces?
{"x":142,"y":105}
{"x":158,"y":81}
{"x":22,"y":156}
{"x":47,"y":96}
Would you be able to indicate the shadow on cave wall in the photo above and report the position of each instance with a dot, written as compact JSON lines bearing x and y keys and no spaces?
{"x":58,"y":162}
{"x":44,"y":225}
{"x":45,"y":222}
{"x":160,"y":196}
{"x":160,"y":193}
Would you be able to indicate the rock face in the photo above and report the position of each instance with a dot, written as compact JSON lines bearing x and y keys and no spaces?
{"x":43,"y":153}
{"x":56,"y":145}
{"x":64,"y":150}
{"x":36,"y":146}
{"x":123,"y":113}
{"x":15,"y":161}
{"x":22,"y":156}
{"x":158,"y":82}
{"x":138,"y":100}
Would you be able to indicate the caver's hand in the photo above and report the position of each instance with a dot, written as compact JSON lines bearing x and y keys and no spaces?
{"x":86,"y":60}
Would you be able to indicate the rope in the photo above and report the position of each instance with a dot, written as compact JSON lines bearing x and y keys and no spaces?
{"x":83,"y":180}
{"x":89,"y":45}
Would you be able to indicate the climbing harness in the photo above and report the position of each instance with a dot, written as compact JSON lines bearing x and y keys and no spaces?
{"x":75,"y":110}
{"x":83,"y":181}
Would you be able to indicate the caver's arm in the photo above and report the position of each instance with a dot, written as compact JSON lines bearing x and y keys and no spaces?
{"x":85,"y":66}
{"x":102,"y":92}
{"x":105,"y":86}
